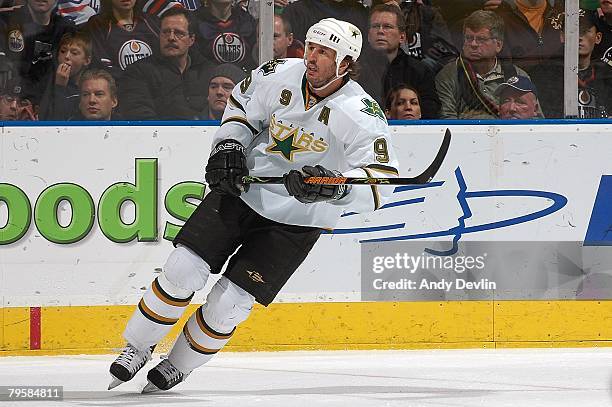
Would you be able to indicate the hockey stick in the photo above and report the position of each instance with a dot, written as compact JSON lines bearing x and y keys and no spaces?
{"x":422,"y":178}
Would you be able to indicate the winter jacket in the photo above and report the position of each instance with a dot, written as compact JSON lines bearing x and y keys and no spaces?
{"x":59,"y":102}
{"x":523,"y":44}
{"x":455,"y":104}
{"x":378,"y":76}
{"x":411,"y":71}
{"x":154,"y":89}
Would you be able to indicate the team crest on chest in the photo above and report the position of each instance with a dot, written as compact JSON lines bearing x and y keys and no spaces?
{"x":270,"y":66}
{"x":132,"y":51}
{"x":288,"y":140}
{"x":372,"y":108}
{"x":16,"y":42}
{"x":229,"y":48}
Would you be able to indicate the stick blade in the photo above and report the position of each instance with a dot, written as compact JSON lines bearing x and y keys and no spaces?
{"x":430,"y":172}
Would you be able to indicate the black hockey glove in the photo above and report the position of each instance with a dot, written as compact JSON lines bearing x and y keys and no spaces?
{"x":226,"y":167}
{"x":310,"y":193}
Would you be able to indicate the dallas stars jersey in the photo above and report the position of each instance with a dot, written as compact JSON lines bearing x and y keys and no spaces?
{"x":284,"y":127}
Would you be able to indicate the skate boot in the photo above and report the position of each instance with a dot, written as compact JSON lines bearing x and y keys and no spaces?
{"x":127,"y":364}
{"x":164,"y":376}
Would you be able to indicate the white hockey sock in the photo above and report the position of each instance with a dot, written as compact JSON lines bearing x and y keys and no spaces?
{"x":156,"y":313}
{"x":165,"y":301}
{"x":197,"y":344}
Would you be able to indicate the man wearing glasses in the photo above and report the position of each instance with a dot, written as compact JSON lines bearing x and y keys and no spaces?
{"x":12,"y":106}
{"x":467,"y":86}
{"x":386,"y":65}
{"x":172,"y":85}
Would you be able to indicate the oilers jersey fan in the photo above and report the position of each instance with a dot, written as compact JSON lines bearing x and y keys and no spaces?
{"x":292,"y":117}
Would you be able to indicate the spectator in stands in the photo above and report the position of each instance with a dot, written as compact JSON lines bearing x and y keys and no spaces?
{"x":455,"y":12}
{"x":172,"y":85}
{"x":80,"y":11}
{"x":98,"y":96}
{"x":517,"y":99}
{"x":594,"y":77}
{"x":385,"y":64}
{"x":8,"y":106}
{"x":427,"y":36}
{"x":121,"y":35}
{"x":61,"y":97}
{"x":302,"y":14}
{"x":12,"y":105}
{"x":603,"y":50}
{"x":223,"y":79}
{"x":31,"y":35}
{"x":467,"y":85}
{"x":402,"y":103}
{"x":532,"y":36}
{"x":284,"y":45}
{"x":226,"y":33}
{"x":283,"y":37}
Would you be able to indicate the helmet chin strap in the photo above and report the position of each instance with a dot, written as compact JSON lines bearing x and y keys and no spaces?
{"x":329,"y":82}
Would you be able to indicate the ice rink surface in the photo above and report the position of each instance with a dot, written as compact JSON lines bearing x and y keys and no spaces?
{"x":466,"y":378}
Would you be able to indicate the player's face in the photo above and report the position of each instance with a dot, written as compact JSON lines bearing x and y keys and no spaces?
{"x":320,"y":64}
{"x":96,"y":101}
{"x":73,"y":55}
{"x":219,"y":90}
{"x":606,"y":6}
{"x":405,"y":106}
{"x":174,"y":37}
{"x":518,"y":105}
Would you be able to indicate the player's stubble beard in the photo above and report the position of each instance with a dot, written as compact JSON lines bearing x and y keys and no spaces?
{"x":328,"y":79}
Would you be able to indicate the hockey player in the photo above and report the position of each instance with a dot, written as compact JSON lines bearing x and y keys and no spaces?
{"x":290,"y":116}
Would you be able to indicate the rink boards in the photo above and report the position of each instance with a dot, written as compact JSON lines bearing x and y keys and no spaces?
{"x":77,"y":253}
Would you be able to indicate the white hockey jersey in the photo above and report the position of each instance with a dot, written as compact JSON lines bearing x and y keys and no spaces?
{"x":284,"y":127}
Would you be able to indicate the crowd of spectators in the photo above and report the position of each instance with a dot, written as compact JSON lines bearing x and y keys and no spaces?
{"x":179,"y":59}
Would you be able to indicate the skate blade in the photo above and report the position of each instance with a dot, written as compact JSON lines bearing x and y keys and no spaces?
{"x":150,"y":388}
{"x":114,"y":383}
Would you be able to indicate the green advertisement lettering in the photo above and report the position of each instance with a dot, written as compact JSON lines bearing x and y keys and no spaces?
{"x":178,"y":206}
{"x":19,"y":217}
{"x":82,"y":219}
{"x":143,"y":194}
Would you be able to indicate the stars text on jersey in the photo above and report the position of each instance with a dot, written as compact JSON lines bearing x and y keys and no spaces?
{"x":288,"y":140}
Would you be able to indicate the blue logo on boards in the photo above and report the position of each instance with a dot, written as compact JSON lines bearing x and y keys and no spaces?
{"x":599,"y":230}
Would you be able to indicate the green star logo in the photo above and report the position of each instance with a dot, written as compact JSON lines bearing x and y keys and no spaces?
{"x":372,"y":108}
{"x":270,"y":66}
{"x":285,"y":146}
{"x":354,"y":33}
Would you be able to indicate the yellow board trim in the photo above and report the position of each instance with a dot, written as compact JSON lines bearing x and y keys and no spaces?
{"x":333,"y":326}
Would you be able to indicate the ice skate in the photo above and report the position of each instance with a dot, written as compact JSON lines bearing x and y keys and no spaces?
{"x":164,"y":376}
{"x":127,"y":364}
